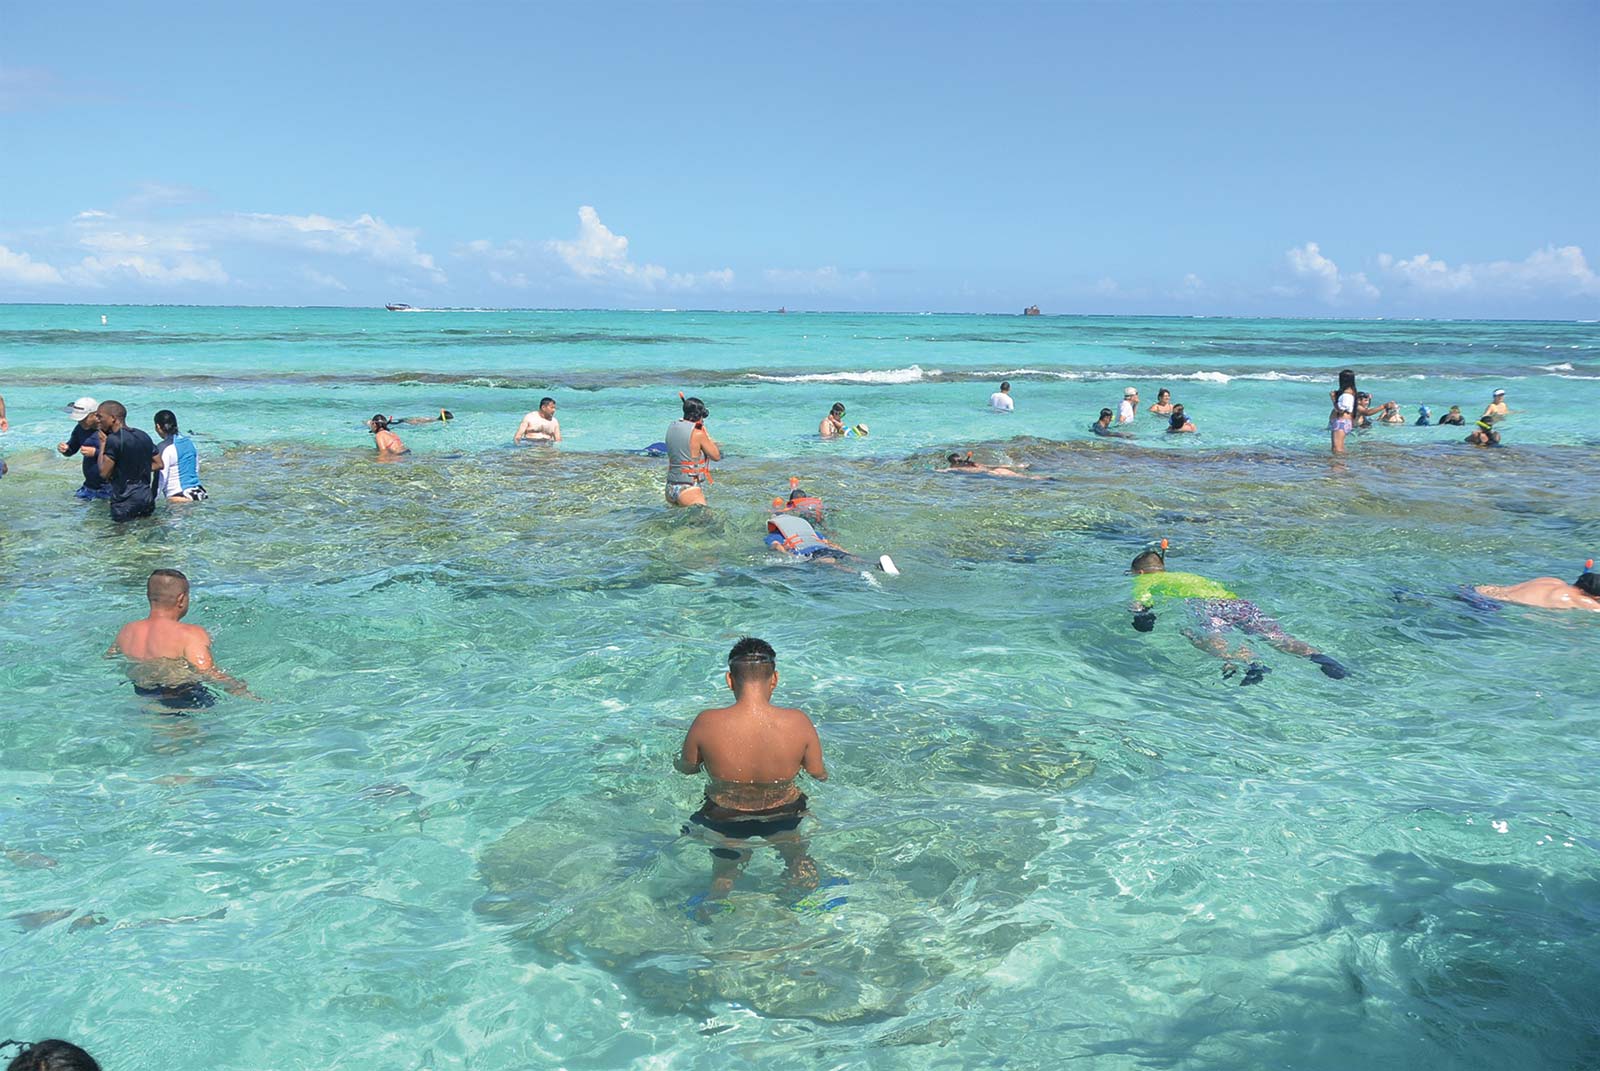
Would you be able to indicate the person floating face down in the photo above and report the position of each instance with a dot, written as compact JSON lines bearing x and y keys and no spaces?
{"x":690,"y":451}
{"x":1548,"y":592}
{"x":1214,"y":611}
{"x":790,"y":532}
{"x":963,"y":465}
{"x":752,"y":752}
{"x":170,"y":662}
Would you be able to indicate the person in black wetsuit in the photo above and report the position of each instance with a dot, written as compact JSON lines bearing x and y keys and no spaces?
{"x":85,"y":440}
{"x":127,"y":458}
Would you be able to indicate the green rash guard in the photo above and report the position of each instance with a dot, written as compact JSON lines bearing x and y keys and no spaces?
{"x":1148,"y":587}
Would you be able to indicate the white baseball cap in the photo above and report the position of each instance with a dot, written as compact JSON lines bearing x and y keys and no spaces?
{"x":1502,"y":390}
{"x":1129,"y":392}
{"x":82,"y":408}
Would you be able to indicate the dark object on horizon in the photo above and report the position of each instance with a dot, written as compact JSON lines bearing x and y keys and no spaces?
{"x":1031,"y":310}
{"x":398,"y":307}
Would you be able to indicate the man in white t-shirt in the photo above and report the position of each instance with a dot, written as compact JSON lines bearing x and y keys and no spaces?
{"x":541,"y":425}
{"x":1129,"y":406}
{"x":1000,"y":400}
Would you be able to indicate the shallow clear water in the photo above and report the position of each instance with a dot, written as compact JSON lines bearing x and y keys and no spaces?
{"x":449,"y":837}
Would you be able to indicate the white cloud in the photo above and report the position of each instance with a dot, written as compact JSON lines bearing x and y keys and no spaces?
{"x":599,"y":254}
{"x":323,"y":279}
{"x":23,"y":270}
{"x":1105,"y":286}
{"x":1324,"y":278}
{"x":90,"y":214}
{"x":1549,"y":272}
{"x":366,"y":236}
{"x":483,"y":249}
{"x":98,"y":270}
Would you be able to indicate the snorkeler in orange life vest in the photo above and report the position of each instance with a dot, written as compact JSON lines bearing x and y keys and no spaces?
{"x":790,"y":531}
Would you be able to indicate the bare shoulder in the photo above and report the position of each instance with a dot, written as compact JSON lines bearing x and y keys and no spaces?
{"x":793,"y":714}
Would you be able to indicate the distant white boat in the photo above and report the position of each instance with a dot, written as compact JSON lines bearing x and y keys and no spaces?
{"x":399,"y":307}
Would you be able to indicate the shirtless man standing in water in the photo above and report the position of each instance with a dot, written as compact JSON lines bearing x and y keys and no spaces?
{"x":170,"y":660}
{"x":752,"y":752}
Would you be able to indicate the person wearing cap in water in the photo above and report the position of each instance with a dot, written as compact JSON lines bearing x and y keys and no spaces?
{"x":1000,"y":401}
{"x":1129,"y":406}
{"x":1453,"y":417}
{"x":1549,"y":592}
{"x":541,"y":425}
{"x":1484,"y":434}
{"x":752,"y":752}
{"x":690,"y":451}
{"x":85,"y":440}
{"x":168,"y":661}
{"x":1424,"y":417}
{"x":387,"y":442}
{"x":1496,"y":410}
{"x":1214,"y":611}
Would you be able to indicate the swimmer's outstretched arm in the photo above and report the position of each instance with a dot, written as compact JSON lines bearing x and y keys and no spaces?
{"x":197,"y":652}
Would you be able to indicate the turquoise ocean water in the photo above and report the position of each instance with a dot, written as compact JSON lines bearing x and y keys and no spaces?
{"x":449,"y":838}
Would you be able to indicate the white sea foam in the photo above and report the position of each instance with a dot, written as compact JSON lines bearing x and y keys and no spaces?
{"x":1556,"y":367}
{"x":914,"y":374}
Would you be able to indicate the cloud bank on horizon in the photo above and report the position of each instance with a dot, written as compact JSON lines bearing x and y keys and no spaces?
{"x":1440,"y":163}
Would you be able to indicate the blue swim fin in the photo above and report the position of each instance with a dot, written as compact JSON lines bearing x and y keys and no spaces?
{"x":817,"y":900}
{"x":1330,"y":667}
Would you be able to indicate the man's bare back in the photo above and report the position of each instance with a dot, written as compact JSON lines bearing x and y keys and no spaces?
{"x":164,"y":653}
{"x":1546,"y":592}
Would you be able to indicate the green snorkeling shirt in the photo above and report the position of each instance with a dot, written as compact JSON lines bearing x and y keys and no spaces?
{"x":1148,"y":587}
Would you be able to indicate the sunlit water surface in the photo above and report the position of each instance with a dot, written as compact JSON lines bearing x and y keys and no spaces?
{"x":449,"y":837}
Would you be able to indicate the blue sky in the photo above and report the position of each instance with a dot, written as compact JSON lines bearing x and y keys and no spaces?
{"x":1264,"y":159}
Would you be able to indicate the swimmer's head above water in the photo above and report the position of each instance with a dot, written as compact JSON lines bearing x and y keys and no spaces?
{"x":694,"y":409}
{"x":956,"y":461}
{"x":1589,"y":582}
{"x":378,"y":423}
{"x":752,"y":662}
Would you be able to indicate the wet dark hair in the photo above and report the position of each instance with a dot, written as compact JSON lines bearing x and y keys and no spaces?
{"x":378,"y":422}
{"x":1105,"y":412}
{"x":1147,"y":559}
{"x":1163,"y":392}
{"x":165,"y":586}
{"x":166,"y":420}
{"x":51,"y":1054}
{"x":694,"y":409}
{"x":751,"y":661}
{"x":546,"y":400}
{"x":958,"y":461}
{"x":1589,"y":584}
{"x":1178,"y":419}
{"x":1006,"y":385}
{"x":1347,"y":381}
{"x":116,"y":409}
{"x":838,"y":409}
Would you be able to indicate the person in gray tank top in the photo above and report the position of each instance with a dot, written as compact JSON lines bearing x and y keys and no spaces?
{"x":690,"y":451}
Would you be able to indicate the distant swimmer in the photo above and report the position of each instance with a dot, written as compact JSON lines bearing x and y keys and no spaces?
{"x":85,"y":440}
{"x":1162,"y":406}
{"x":690,"y":451}
{"x":444,"y":417}
{"x":1000,"y":401}
{"x":959,"y":465}
{"x":752,"y":753}
{"x":1103,"y":427}
{"x":1483,"y":434}
{"x":1550,"y":593}
{"x":178,"y":479}
{"x":1424,"y":417}
{"x":832,"y":426}
{"x":168,"y":661}
{"x":541,"y":425}
{"x":1496,"y":410}
{"x":127,"y":458}
{"x":1213,"y":611}
{"x":1178,"y":422}
{"x":387,"y":442}
{"x":1390,"y":413}
{"x":1453,"y":417}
